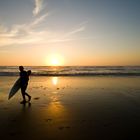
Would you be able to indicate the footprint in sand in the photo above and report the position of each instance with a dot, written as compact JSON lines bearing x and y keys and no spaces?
{"x":67,"y":127}
{"x":64,"y":127}
{"x":1,"y":101}
{"x":83,"y":121}
{"x":36,"y":98}
{"x":48,"y":120}
{"x":5,"y":108}
{"x":61,"y":127}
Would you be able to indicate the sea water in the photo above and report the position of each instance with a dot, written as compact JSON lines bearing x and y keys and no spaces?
{"x":72,"y":70}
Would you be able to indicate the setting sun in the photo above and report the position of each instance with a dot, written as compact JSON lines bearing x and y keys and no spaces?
{"x":55,"y":60}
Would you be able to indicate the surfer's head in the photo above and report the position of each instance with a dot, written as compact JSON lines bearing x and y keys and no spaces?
{"x":21,"y":68}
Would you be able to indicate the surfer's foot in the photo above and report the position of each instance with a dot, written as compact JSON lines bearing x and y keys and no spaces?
{"x":29,"y":98}
{"x":23,"y":102}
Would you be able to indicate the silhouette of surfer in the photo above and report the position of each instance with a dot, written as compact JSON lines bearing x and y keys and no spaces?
{"x":24,"y":78}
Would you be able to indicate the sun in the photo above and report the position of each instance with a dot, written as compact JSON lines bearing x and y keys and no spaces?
{"x":55,"y":60}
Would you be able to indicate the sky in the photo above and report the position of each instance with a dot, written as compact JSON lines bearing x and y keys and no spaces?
{"x":69,"y":32}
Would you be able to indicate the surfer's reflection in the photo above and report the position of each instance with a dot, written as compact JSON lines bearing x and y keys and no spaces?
{"x":26,"y":105}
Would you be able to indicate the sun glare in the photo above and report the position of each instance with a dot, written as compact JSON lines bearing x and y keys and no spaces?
{"x":55,"y":60}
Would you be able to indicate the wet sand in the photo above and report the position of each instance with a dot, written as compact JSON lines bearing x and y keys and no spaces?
{"x":71,"y":108}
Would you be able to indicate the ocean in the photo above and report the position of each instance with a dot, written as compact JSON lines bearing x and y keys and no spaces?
{"x":73,"y":70}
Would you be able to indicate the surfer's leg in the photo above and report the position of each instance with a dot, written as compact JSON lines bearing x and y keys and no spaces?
{"x":29,"y":97}
{"x":23,"y":93}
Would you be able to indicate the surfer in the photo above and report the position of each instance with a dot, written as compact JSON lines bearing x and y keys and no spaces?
{"x":24,"y":78}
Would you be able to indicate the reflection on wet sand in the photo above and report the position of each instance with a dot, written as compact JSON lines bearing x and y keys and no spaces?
{"x":26,"y":105}
{"x":55,"y":80}
{"x":83,"y":107}
{"x":56,"y":109}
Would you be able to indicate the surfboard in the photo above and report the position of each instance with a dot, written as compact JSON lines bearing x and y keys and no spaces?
{"x":14,"y":89}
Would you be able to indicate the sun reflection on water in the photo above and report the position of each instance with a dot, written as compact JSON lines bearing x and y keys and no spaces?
{"x":56,"y":109}
{"x":54,"y":81}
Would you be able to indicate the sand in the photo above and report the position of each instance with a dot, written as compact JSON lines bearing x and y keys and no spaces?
{"x":72,"y":108}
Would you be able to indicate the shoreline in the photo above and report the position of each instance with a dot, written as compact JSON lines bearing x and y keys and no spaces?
{"x":77,"y":75}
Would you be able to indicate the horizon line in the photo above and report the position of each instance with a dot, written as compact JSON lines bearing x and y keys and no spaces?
{"x":71,"y":66}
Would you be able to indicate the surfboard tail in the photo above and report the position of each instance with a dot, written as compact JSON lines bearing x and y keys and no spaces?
{"x":9,"y":97}
{"x":14,"y":89}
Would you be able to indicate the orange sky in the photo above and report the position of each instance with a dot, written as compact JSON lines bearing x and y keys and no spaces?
{"x":69,"y":33}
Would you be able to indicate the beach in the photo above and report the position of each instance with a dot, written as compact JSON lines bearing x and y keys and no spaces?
{"x":71,"y":108}
{"x":69,"y":69}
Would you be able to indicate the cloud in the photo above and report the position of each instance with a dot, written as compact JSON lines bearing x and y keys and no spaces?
{"x":22,"y":33}
{"x":38,"y":7}
{"x":28,"y":34}
{"x":69,"y":35}
{"x":80,"y":29}
{"x":39,"y":19}
{"x":3,"y":29}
